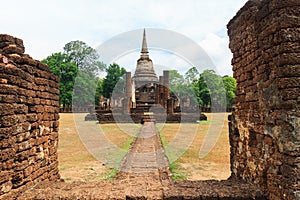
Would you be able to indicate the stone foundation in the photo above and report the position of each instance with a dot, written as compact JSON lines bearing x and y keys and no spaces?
{"x":265,"y":141}
{"x":105,"y":117}
{"x":29,"y":107}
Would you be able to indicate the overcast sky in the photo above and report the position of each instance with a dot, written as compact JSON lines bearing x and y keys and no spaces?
{"x":46,"y":26}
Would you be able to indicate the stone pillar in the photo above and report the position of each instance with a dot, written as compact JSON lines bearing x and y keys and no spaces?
{"x":128,"y":101}
{"x":160,"y":91}
{"x":170,"y":106}
{"x":264,"y":134}
{"x":128,"y":84}
{"x":126,"y":104}
{"x":166,"y":88}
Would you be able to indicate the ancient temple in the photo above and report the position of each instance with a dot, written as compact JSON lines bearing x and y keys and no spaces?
{"x":149,"y":90}
{"x":144,"y":93}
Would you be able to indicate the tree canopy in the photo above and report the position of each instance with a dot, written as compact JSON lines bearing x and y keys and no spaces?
{"x":114,"y":74}
{"x":77,"y":67}
{"x":61,"y":67}
{"x":85,"y":57}
{"x":230,"y":87}
{"x":192,"y":75}
{"x":204,"y":87}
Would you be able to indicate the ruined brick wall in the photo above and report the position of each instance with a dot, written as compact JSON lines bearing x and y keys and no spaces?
{"x":265,"y":130}
{"x":29,"y":106}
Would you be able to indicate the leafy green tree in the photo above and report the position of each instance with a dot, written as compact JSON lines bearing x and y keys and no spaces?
{"x":191,"y":76}
{"x":99,"y":91}
{"x":85,"y":57}
{"x":175,"y":78}
{"x":210,"y":87}
{"x":84,"y":89}
{"x":177,"y":84}
{"x":180,"y":88}
{"x":61,"y":66}
{"x":77,"y":67}
{"x":230,"y":87}
{"x":202,"y":92}
{"x":114,"y":74}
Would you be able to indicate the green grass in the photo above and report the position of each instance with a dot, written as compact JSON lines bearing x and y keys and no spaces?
{"x":126,"y":146}
{"x":111,"y":174}
{"x":174,"y":167}
{"x":176,"y":174}
{"x":163,"y":140}
{"x":206,"y":122}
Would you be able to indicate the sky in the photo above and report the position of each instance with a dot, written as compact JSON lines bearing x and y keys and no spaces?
{"x":46,"y":26}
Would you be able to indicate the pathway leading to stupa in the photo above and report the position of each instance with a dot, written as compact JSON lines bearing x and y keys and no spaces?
{"x":146,"y":153}
{"x":145,"y":168}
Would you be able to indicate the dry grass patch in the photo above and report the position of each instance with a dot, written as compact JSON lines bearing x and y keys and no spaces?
{"x":216,"y":165}
{"x":75,"y":161}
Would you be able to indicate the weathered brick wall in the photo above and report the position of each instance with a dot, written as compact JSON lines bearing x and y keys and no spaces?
{"x":29,"y":107}
{"x":265,"y":131}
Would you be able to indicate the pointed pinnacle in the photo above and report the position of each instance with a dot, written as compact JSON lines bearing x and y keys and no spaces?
{"x":144,"y":45}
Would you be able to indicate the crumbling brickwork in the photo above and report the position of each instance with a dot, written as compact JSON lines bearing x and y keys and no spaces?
{"x":265,"y":134}
{"x":29,"y":107}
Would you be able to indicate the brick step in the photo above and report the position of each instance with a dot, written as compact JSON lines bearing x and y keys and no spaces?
{"x":204,"y":190}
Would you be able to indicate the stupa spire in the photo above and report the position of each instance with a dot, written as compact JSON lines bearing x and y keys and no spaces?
{"x":144,"y":45}
{"x":144,"y":51}
{"x":144,"y":72}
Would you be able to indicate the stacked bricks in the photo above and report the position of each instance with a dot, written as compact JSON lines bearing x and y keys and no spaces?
{"x":264,"y":132}
{"x":29,"y":106}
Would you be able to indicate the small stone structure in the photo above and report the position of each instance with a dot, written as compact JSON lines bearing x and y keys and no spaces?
{"x":29,"y":106}
{"x":265,"y":130}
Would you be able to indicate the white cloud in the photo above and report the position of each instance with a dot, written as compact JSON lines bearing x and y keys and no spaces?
{"x":46,"y":26}
{"x":217,"y":49}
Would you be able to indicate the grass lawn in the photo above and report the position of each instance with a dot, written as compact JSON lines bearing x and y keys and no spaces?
{"x":215,"y":165}
{"x":76,"y":163}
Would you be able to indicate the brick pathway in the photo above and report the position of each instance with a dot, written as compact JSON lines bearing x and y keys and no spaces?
{"x":145,"y":168}
{"x":146,"y":153}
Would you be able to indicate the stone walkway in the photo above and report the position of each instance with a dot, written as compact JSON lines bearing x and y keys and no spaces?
{"x":146,"y":153}
{"x":145,"y":169}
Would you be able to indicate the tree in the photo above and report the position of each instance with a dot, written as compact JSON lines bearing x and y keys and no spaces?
{"x":210,"y":87}
{"x":99,"y":91}
{"x":61,"y":67}
{"x":77,"y":69}
{"x":230,"y":87}
{"x":180,"y":88}
{"x":114,"y":73}
{"x":84,"y":89}
{"x":202,"y":91}
{"x":191,"y":76}
{"x":177,"y":84}
{"x":85,"y":57}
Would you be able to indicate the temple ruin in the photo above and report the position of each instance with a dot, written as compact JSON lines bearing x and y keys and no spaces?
{"x":145,"y":97}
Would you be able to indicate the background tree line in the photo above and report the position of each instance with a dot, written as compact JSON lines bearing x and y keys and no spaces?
{"x":79,"y":65}
{"x":201,"y":87}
